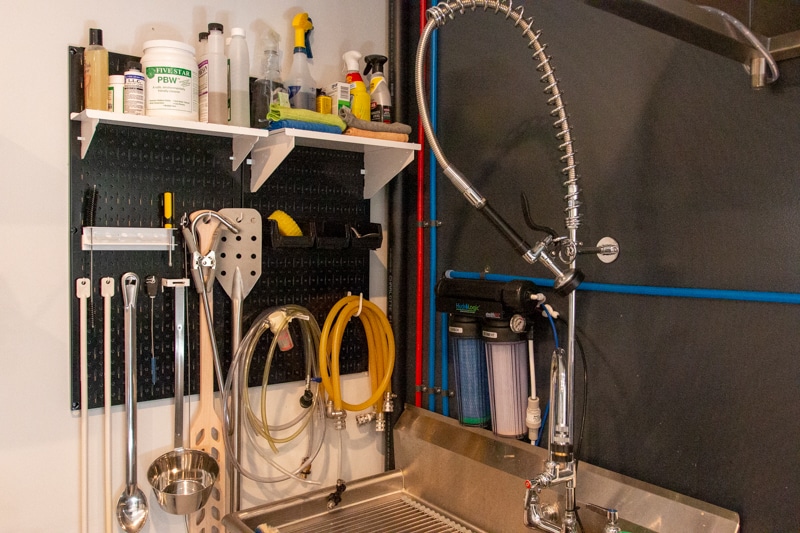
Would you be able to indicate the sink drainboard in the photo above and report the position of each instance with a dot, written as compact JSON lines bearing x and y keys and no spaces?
{"x":396,"y":514}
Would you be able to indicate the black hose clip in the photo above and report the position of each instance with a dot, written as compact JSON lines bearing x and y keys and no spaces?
{"x":335,"y":497}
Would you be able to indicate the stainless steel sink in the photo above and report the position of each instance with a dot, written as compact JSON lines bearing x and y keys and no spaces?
{"x":451,"y":478}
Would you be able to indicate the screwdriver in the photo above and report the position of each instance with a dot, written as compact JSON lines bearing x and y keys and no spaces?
{"x":168,"y":223}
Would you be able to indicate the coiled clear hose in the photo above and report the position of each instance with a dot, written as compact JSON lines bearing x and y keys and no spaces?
{"x":437,"y":17}
{"x":257,"y":427}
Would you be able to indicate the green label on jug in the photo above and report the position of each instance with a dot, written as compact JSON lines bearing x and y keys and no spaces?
{"x":167,"y":71}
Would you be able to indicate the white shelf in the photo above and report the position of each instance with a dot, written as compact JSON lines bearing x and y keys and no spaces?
{"x":383,"y":160}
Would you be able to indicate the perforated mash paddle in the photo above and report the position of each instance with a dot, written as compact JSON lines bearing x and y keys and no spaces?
{"x":238,"y":269}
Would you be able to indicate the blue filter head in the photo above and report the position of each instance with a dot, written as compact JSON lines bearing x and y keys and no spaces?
{"x":469,"y":361}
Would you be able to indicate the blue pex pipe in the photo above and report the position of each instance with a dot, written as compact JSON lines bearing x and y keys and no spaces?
{"x":433,"y":266}
{"x":645,"y":290}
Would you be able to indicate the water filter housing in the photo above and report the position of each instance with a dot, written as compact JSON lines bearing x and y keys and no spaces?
{"x":469,"y":361}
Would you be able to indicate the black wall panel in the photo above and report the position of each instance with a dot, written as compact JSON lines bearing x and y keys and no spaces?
{"x":695,"y":174}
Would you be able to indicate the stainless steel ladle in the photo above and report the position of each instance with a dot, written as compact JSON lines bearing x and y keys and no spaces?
{"x":132,"y":507}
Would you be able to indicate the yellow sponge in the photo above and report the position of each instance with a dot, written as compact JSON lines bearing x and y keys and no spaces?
{"x":286,"y":224}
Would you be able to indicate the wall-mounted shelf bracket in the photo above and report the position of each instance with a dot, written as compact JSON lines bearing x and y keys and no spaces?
{"x":242,"y":139}
{"x":383,"y":160}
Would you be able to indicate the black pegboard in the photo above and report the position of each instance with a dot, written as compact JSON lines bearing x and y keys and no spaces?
{"x":128,"y":169}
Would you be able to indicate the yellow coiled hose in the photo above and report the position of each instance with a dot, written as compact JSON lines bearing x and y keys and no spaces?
{"x":380,"y":343}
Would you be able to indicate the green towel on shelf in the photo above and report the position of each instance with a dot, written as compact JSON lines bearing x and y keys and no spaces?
{"x":277,"y":113}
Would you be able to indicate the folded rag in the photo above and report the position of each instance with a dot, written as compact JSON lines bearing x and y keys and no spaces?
{"x":277,"y":113}
{"x":308,"y":126}
{"x":384,"y":135}
{"x":354,"y":122}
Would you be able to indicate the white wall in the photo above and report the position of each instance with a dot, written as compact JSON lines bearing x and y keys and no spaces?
{"x":39,"y":450}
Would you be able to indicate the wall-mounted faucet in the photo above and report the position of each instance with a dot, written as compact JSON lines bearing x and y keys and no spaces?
{"x":561,"y":466}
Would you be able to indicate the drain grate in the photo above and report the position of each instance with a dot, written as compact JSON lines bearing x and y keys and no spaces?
{"x":396,"y":515}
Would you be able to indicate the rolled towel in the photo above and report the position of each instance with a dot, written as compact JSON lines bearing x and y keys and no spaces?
{"x":301,"y":125}
{"x":384,"y":135}
{"x":354,"y":122}
{"x":277,"y":113}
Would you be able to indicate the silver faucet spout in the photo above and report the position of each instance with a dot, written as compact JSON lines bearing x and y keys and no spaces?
{"x":533,"y":517}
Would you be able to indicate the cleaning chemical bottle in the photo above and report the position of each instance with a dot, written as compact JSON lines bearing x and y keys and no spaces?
{"x":359,"y":97}
{"x":216,"y":75}
{"x":302,"y":89}
{"x":239,"y":62}
{"x":202,"y":76}
{"x":268,"y":87}
{"x":380,"y":97}
{"x":95,"y":72}
{"x":133,"y":90}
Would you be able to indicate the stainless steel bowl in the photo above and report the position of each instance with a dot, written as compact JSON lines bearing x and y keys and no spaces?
{"x":183,"y":479}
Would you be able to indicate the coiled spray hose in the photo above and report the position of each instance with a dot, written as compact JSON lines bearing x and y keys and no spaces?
{"x":380,"y":343}
{"x":310,"y":419}
{"x":437,"y":17}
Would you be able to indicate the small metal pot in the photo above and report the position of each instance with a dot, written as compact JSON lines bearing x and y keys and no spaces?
{"x":182,"y":479}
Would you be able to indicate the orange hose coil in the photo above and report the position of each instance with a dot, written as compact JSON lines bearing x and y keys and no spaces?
{"x":381,"y":351}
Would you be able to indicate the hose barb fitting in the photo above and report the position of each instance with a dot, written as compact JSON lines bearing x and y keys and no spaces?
{"x":339,"y":417}
{"x":380,"y":422}
{"x":533,"y":419}
{"x":388,"y":402}
{"x":364,"y":418}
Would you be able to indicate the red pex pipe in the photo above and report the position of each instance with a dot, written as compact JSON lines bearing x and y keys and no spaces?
{"x":418,"y":341}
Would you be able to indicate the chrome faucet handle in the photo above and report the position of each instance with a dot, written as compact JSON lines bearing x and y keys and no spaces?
{"x":612,"y":517}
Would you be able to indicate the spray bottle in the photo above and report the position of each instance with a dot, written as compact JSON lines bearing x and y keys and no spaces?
{"x":269,"y":88}
{"x":302,"y":89}
{"x":380,"y":97}
{"x":359,"y":97}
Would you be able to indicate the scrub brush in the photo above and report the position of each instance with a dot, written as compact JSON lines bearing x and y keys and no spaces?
{"x":265,"y":528}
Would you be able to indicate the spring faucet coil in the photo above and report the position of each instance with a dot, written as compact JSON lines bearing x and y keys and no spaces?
{"x":445,"y":11}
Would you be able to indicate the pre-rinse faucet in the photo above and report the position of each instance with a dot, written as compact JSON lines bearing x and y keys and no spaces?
{"x":561,"y":466}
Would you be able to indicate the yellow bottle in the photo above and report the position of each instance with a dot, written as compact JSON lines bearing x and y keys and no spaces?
{"x":359,"y":96}
{"x":95,"y":72}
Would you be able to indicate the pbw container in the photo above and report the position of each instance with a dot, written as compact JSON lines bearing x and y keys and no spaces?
{"x":170,"y":72}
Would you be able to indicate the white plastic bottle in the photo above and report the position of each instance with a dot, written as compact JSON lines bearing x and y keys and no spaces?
{"x":202,"y":76}
{"x":302,"y":89}
{"x":239,"y":61}
{"x":217,"y":76}
{"x":133,"y":92}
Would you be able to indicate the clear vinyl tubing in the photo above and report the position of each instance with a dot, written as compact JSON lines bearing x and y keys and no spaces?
{"x":380,"y":343}
{"x":438,"y":17}
{"x":257,"y":428}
